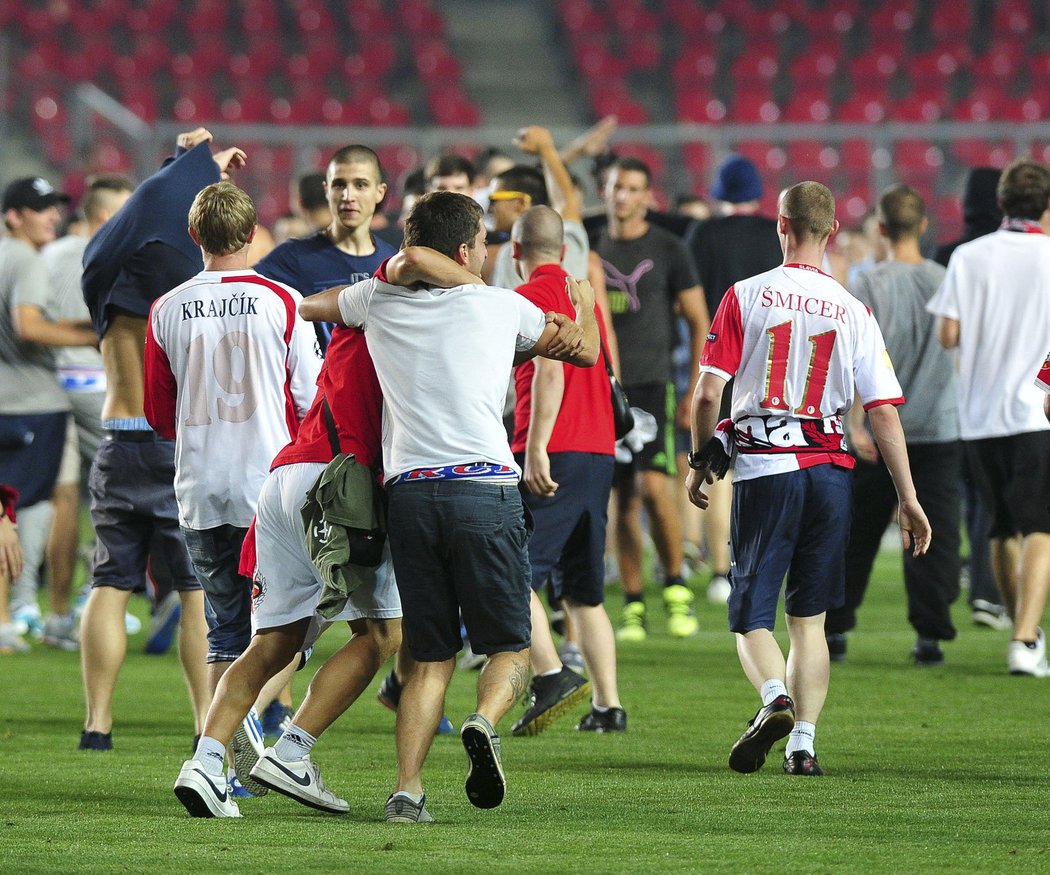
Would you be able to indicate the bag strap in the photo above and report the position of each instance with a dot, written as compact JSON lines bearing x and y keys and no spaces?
{"x":333,"y":434}
{"x":605,"y":355}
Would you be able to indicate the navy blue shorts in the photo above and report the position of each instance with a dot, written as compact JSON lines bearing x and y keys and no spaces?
{"x":570,"y":527}
{"x":135,"y":516}
{"x":216,"y":554}
{"x":31,"y":447}
{"x":795,"y":524}
{"x":460,"y":545}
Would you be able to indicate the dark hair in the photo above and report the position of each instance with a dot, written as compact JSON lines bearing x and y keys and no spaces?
{"x":100,"y":188}
{"x":311,"y":191}
{"x":414,"y":183}
{"x":629,"y":163}
{"x":358,"y":154}
{"x":443,"y":220}
{"x":1024,"y":189}
{"x":528,"y":180}
{"x":901,"y":211}
{"x":449,"y":165}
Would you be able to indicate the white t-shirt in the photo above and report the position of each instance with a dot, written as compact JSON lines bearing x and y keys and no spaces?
{"x":797,"y":343}
{"x":231,"y":369}
{"x":998,"y":289}
{"x":442,"y":357}
{"x":577,"y":249}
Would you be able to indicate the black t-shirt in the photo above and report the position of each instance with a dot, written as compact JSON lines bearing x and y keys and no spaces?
{"x":643,"y":278}
{"x":728,"y":249}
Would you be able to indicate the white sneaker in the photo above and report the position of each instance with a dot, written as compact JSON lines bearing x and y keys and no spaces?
{"x":247,"y":746}
{"x":718,"y":590}
{"x":299,"y":780}
{"x":991,"y":615}
{"x":204,"y":795}
{"x":11,"y":640}
{"x":1022,"y":659}
{"x":61,"y":631}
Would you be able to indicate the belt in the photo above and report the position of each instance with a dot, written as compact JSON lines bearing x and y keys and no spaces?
{"x":138,"y":437}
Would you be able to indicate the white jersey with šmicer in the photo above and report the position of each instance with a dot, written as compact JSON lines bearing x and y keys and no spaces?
{"x":797,"y":343}
{"x":998,"y":289}
{"x":231,"y":368}
{"x":444,"y":359}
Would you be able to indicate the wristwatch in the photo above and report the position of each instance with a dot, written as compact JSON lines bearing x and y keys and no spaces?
{"x":695,"y":462}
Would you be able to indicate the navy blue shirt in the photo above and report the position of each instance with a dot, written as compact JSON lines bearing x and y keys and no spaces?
{"x":156,"y":213}
{"x":313,"y":264}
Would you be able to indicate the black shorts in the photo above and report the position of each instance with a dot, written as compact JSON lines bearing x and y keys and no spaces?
{"x":135,"y":516}
{"x":659,"y":400}
{"x":1012,"y":477}
{"x":570,"y":527}
{"x":461,"y":546}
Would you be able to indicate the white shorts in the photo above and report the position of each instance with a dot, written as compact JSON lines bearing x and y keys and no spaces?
{"x":288,"y":585}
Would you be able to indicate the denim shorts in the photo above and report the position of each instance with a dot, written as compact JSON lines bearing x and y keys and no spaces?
{"x":461,"y":545}
{"x":795,"y":524}
{"x":216,"y":554}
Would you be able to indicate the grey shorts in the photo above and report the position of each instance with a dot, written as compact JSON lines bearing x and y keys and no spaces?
{"x":135,"y":516}
{"x":461,"y":546}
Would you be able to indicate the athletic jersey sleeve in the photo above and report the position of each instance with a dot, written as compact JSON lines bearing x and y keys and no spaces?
{"x":873,"y":372}
{"x":161,"y":390}
{"x":725,"y":342}
{"x":1042,"y":379}
{"x":304,"y":365}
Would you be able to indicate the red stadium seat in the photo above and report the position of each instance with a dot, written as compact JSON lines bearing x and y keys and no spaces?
{"x":1012,"y":16}
{"x":699,"y":105}
{"x":695,"y":64}
{"x":808,"y":106}
{"x":581,"y":16}
{"x":983,"y":153}
{"x":911,"y":155}
{"x":813,"y":66}
{"x":874,"y":65}
{"x":863,"y":106}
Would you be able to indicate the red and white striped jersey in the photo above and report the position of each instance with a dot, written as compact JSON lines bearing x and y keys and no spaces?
{"x":796,"y":343}
{"x":231,"y":369}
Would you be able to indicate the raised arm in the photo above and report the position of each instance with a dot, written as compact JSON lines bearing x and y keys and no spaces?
{"x":537,"y":141}
{"x":886,"y":426}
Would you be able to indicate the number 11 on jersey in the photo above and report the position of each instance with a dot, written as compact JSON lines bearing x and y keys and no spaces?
{"x":821,"y":347}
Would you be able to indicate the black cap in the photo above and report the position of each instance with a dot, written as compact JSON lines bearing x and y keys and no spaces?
{"x":32,"y":192}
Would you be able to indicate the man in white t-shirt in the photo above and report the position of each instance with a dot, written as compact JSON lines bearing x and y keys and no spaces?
{"x":457,"y":526}
{"x":994,"y":306}
{"x":230,"y":371}
{"x":796,"y":343}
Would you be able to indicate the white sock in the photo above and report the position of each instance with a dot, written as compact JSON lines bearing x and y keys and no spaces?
{"x":771,"y":689}
{"x":551,"y":673}
{"x":211,"y":754}
{"x":294,"y":744}
{"x":416,"y":798}
{"x":801,"y":738}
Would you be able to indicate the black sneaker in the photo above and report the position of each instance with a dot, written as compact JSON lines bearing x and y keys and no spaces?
{"x":486,"y":784}
{"x":550,"y":697}
{"x":390,"y":692}
{"x":613,"y":720}
{"x":770,"y":724}
{"x":96,"y":740}
{"x":802,"y":762}
{"x":836,"y":646}
{"x":927,"y":652}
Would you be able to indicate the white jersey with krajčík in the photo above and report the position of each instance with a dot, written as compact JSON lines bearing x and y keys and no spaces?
{"x":998,"y":289}
{"x":231,"y":369}
{"x":797,"y":343}
{"x":443,"y":358}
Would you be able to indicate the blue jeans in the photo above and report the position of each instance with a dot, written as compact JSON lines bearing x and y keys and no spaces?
{"x":215,"y":554}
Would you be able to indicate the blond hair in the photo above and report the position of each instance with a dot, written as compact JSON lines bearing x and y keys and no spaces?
{"x":809,"y":208}
{"x":223,"y":217}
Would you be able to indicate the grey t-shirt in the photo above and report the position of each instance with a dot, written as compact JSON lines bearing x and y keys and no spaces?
{"x":65,"y":264}
{"x":643,"y":278}
{"x":504,"y":276}
{"x":27,"y":370}
{"x":897,"y":294}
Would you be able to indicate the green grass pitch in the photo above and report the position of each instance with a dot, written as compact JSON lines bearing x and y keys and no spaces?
{"x":929,"y":770}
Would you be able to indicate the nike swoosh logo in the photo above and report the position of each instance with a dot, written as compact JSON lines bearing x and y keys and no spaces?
{"x":221,"y":796}
{"x":302,"y":782}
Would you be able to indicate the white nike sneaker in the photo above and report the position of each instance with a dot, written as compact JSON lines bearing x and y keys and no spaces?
{"x":718,"y":590}
{"x":299,"y":780}
{"x":204,"y":795}
{"x":247,"y":746}
{"x":1030,"y":661}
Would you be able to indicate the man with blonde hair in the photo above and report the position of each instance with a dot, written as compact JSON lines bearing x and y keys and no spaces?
{"x":797,"y":343}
